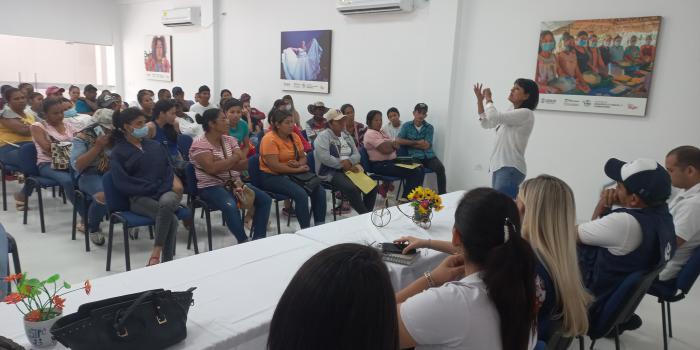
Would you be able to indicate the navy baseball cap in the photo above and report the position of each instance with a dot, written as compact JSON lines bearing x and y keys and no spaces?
{"x":177,"y":90}
{"x":421,"y":107}
{"x":643,"y":177}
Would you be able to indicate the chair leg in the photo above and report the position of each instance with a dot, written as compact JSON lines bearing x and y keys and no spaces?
{"x":289,"y":217}
{"x":670,"y":325}
{"x":53,"y":191}
{"x":87,"y":223}
{"x":333,"y":207}
{"x":75,"y":221}
{"x":277,"y":212}
{"x":193,"y":236}
{"x":207,"y":220}
{"x":4,"y":189}
{"x":150,"y":232}
{"x":617,"y":338}
{"x":41,"y":209}
{"x":126,"y":246}
{"x":663,"y":323}
{"x":63,"y":194}
{"x":110,"y":236}
{"x":30,"y":185}
{"x":592,"y":344}
{"x":581,"y":342}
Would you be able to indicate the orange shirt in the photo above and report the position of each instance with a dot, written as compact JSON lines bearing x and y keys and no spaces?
{"x":272,"y":144}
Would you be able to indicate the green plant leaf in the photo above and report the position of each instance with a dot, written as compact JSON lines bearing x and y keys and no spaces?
{"x":34,"y":282}
{"x":52,"y":279}
{"x":66,"y":285}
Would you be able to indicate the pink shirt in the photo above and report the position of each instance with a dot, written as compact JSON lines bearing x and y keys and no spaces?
{"x":67,"y":136}
{"x":373,"y":139}
{"x":202,"y":145}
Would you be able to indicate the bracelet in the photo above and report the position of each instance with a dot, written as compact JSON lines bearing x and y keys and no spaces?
{"x":429,"y":278}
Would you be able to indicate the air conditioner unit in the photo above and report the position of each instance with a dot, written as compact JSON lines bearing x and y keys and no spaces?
{"x":186,"y":16}
{"x":353,"y":7}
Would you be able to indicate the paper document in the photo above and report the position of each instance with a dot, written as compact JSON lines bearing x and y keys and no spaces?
{"x":407,"y":166}
{"x":362,"y":181}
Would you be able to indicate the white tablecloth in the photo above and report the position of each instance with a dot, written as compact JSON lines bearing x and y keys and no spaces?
{"x":359,"y":229}
{"x":237,"y":291}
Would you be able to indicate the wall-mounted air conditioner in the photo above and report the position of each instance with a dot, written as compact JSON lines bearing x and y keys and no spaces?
{"x":186,"y":16}
{"x":353,"y":7}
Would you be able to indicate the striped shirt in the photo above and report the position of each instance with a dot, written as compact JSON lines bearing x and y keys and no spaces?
{"x":202,"y":145}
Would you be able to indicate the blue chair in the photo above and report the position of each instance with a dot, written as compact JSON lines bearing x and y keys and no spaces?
{"x":118,"y":208}
{"x":254,"y":172}
{"x":82,"y":203}
{"x":184,"y":142}
{"x":195,"y":202}
{"x":675,"y":290}
{"x":5,"y":169}
{"x":27,"y":165}
{"x":364,"y":161}
{"x":621,"y":304}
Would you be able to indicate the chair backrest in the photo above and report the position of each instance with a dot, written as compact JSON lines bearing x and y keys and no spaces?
{"x":191,"y":180}
{"x":689,"y":273}
{"x":254,"y":170}
{"x":184,"y":142}
{"x":27,"y":159}
{"x":116,"y":201}
{"x":364,"y":159}
{"x":311,"y":161}
{"x":622,"y":303}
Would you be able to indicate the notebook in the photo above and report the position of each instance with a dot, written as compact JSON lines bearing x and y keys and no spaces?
{"x":401,"y":259}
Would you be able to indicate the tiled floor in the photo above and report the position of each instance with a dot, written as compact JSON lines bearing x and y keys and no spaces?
{"x":43,"y":254}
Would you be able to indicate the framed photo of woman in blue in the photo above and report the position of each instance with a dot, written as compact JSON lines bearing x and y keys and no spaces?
{"x":305,"y":61}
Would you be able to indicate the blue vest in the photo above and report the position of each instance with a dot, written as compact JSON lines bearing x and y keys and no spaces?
{"x":603,"y":271}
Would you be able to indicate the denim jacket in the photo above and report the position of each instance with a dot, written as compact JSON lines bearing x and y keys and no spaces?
{"x":327,"y":153}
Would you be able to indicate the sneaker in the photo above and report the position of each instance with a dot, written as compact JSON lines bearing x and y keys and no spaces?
{"x":97,"y":238}
{"x":631,"y":324}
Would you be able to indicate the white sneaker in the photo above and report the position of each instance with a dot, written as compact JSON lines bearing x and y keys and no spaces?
{"x":97,"y":238}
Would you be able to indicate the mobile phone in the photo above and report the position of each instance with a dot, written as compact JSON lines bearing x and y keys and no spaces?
{"x":98,"y":130}
{"x":396,"y":248}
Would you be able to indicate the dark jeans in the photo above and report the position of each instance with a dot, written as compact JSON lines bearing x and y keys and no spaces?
{"x":219,"y":198}
{"x":435,"y":165}
{"x":61,"y":176}
{"x":9,"y":155}
{"x":90,"y":182}
{"x":413,"y":177}
{"x":283,"y":185}
{"x":353,"y":194}
{"x":163,"y":212}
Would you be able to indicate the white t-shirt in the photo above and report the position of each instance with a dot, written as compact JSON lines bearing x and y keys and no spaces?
{"x":513,"y":129}
{"x":345,"y":149}
{"x":199,"y":109}
{"x":620,"y":233}
{"x":458,"y":315}
{"x":685,"y":208}
{"x":392,"y":131}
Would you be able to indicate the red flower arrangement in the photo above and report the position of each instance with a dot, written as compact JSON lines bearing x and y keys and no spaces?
{"x":40,"y":300}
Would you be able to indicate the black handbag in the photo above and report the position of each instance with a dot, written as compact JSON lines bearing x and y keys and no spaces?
{"x":308,"y":180}
{"x":154,"y":319}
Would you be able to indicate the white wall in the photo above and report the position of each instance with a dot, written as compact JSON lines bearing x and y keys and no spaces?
{"x":497,"y":43}
{"x":90,"y":22}
{"x":193,"y":47}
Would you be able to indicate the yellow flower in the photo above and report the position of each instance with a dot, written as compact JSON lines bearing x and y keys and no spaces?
{"x":422,"y":211}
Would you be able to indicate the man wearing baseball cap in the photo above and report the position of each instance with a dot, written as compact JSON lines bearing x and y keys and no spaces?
{"x":417,"y":137}
{"x":87,"y":104}
{"x":54,"y":91}
{"x":638,"y":236}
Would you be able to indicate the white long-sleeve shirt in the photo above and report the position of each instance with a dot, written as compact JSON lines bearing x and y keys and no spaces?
{"x":513,"y":129}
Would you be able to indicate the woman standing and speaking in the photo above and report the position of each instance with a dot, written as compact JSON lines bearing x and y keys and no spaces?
{"x":513,"y":129}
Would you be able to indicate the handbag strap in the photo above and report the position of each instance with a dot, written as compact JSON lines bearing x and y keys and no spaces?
{"x":122,"y":317}
{"x":294,"y":145}
{"x":223,"y":150}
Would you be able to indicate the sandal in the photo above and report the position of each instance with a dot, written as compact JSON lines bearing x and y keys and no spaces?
{"x":154,"y":260}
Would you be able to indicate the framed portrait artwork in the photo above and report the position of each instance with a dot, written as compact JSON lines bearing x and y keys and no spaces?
{"x":158,"y":57}
{"x":305,"y":61}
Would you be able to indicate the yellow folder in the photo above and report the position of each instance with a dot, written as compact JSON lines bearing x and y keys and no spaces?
{"x":407,"y":166}
{"x":362,"y":181}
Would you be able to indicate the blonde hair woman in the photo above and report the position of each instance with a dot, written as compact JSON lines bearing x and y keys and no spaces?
{"x":547,"y":209}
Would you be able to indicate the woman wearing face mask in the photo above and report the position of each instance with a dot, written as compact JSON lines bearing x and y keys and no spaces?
{"x":141,"y":171}
{"x":14,"y":132}
{"x":596,"y":63}
{"x":290,"y":107}
{"x":567,"y":64}
{"x":583,"y":56}
{"x":617,"y":52}
{"x":546,"y":63}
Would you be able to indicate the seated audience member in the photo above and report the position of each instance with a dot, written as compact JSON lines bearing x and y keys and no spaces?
{"x":54,"y":91}
{"x":393,"y":127}
{"x":636,"y":237}
{"x":483,"y":297}
{"x":2,"y":96}
{"x":281,"y":153}
{"x":238,"y":129}
{"x":203,"y":103}
{"x":290,"y":107}
{"x":317,"y":123}
{"x":120,"y":103}
{"x":341,"y":298}
{"x":683,"y":165}
{"x":90,"y":160}
{"x":74,"y":94}
{"x":381,"y":149}
{"x":141,"y":171}
{"x":109,"y":101}
{"x":417,"y":136}
{"x":218,"y":159}
{"x":26,"y":88}
{"x":188,"y":126}
{"x":88,"y":103}
{"x":224,"y":94}
{"x":354,"y":128}
{"x":146,"y":104}
{"x":34,"y":105}
{"x":335,"y":153}
{"x":164,"y":94}
{"x":253,"y":116}
{"x":179,"y":95}
{"x":52,"y":129}
{"x":164,"y":128}
{"x":14,"y":132}
{"x":282,"y":105}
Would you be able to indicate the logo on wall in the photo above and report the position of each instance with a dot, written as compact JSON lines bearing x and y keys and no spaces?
{"x":158,"y":57}
{"x":305,"y":63}
{"x":606,"y":64}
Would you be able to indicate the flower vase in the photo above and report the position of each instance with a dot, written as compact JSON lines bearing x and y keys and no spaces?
{"x":422,"y":220}
{"x":39,"y":332}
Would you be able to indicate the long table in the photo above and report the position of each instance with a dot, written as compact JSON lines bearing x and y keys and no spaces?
{"x":238,"y":287}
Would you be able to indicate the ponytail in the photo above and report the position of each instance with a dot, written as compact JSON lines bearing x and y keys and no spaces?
{"x":121,"y":117}
{"x":489,"y":226}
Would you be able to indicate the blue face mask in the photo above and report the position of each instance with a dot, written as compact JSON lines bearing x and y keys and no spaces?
{"x":70,"y":113}
{"x":549,"y":47}
{"x":582,"y":43}
{"x":140,"y":132}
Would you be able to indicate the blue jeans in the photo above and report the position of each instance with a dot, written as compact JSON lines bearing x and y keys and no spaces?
{"x":507,"y":180}
{"x":283,"y":185}
{"x":217,"y":197}
{"x":91,"y":183}
{"x":10,"y":155}
{"x":62,"y":177}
